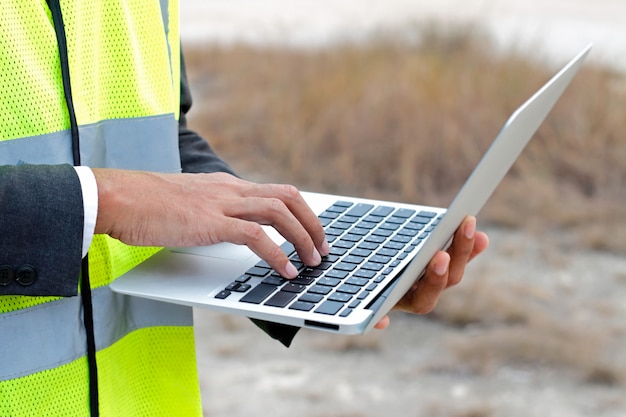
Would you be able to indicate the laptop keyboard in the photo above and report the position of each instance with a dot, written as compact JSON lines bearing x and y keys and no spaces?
{"x":366,"y":242}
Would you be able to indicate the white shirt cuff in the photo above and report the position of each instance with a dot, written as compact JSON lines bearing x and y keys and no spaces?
{"x":90,"y":204}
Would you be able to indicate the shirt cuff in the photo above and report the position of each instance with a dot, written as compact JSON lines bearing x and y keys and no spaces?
{"x":90,"y":204}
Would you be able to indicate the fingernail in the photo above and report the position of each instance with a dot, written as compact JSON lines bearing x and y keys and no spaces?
{"x":470,"y":229}
{"x":317,"y":258}
{"x":325,"y":250}
{"x":441,"y":268}
{"x":291,"y":270}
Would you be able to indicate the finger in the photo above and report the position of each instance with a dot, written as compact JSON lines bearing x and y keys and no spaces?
{"x":294,"y":201}
{"x":481,"y":242}
{"x":252,"y":235}
{"x":461,"y":249}
{"x":423,"y":297}
{"x":383,"y":323}
{"x":300,"y":226}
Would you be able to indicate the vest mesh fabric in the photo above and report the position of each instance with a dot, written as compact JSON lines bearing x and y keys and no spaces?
{"x":124,"y":63}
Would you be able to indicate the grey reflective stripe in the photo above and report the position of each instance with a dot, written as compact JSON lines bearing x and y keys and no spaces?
{"x":124,"y":143}
{"x":53,"y":148}
{"x":114,"y":143}
{"x":50,"y":335}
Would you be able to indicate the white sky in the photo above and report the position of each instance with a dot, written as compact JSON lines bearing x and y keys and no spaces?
{"x":555,"y":28}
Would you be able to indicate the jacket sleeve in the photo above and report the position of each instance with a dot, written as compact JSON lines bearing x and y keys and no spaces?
{"x":196,"y":155}
{"x":41,"y":230}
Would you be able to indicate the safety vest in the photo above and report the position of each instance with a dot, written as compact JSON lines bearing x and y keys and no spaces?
{"x":121,"y":59}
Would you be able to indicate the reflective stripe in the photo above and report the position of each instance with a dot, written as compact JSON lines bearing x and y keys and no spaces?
{"x":50,"y":335}
{"x":115,"y":143}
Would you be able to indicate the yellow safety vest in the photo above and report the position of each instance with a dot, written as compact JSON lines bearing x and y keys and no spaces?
{"x":123,"y":59}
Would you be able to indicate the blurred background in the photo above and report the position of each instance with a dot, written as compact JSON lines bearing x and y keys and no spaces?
{"x":398,"y":99}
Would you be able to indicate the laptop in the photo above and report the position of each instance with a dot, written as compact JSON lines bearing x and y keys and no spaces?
{"x":378,"y":248}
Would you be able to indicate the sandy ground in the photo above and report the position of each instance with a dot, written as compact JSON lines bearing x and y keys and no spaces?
{"x":424,"y":366}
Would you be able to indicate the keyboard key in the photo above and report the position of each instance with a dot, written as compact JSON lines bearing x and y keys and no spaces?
{"x":349,"y":219}
{"x":302,"y":306}
{"x":382,"y":211}
{"x":357,"y":281}
{"x":336,"y":251}
{"x":341,"y":297}
{"x":375,"y":239}
{"x":349,"y":289}
{"x":333,"y":231}
{"x":243,"y":288}
{"x":328,"y":282}
{"x":288,"y":248}
{"x":360,"y":210}
{"x":329,"y":214}
{"x":401,"y":239}
{"x":320,"y":289}
{"x":280,"y":299}
{"x":258,"y":271}
{"x":364,"y":253}
{"x":390,"y":226}
{"x":294,"y":288}
{"x":387,"y":252}
{"x":337,"y":274}
{"x":311,"y":298}
{"x":352,"y":237}
{"x":408,"y":232}
{"x":360,"y":231}
{"x":331,"y":259}
{"x":342,"y":225}
{"x":274,"y":280}
{"x":346,"y":312}
{"x":382,"y":232}
{"x":243,"y":278}
{"x":394,"y":245}
{"x":405,"y":213}
{"x":365,"y":273}
{"x":312,"y":272}
{"x":345,"y":244}
{"x":368,"y":245}
{"x":329,"y":307}
{"x":222,"y":294}
{"x":325,"y":222}
{"x":344,"y":266}
{"x":351,"y":259}
{"x":326,"y":263}
{"x":337,"y":208}
{"x":258,"y":294}
{"x":380,"y":259}
{"x":303,"y":280}
{"x":430,"y":214}
{"x":373,"y":219}
{"x":373,"y":266}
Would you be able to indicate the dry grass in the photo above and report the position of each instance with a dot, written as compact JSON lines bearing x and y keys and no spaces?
{"x":521,"y":324}
{"x":407,"y":117}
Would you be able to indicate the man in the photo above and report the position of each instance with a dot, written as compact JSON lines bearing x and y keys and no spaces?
{"x":101,"y":86}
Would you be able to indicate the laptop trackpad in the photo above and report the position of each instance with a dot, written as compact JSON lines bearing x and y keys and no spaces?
{"x":227,"y":251}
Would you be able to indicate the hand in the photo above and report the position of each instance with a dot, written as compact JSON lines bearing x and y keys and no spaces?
{"x":143,"y":208}
{"x":445,"y":270}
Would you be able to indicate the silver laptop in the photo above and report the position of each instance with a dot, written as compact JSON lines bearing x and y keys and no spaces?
{"x":378,"y":248}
